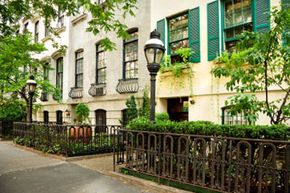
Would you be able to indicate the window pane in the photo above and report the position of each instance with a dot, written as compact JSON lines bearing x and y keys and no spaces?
{"x":101,"y":65}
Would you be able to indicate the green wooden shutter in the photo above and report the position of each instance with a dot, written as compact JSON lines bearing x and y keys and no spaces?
{"x":213,"y":40}
{"x":161,"y":30}
{"x":194,"y":35}
{"x":261,"y":15}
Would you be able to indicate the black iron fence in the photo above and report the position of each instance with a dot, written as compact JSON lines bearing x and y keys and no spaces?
{"x":222,"y":164}
{"x":70,"y":140}
{"x":6,"y":129}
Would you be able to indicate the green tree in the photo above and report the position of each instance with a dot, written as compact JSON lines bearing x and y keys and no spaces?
{"x":144,"y":111}
{"x":17,"y":64}
{"x":105,"y":17}
{"x":82,"y":112}
{"x":132,"y":111}
{"x":261,"y":61}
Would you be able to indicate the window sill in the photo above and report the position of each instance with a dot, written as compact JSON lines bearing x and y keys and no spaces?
{"x":45,"y":39}
{"x":79,"y":18}
{"x":58,"y":30}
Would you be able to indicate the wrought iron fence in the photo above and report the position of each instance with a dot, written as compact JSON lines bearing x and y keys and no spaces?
{"x":6,"y":128}
{"x":222,"y":164}
{"x":70,"y":140}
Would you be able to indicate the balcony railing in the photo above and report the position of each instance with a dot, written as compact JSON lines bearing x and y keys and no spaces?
{"x":127,"y":86}
{"x":76,"y":93}
{"x":222,"y":164}
{"x":97,"y":89}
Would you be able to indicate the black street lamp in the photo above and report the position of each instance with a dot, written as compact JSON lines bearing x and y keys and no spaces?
{"x":154,"y":51}
{"x":31,"y":86}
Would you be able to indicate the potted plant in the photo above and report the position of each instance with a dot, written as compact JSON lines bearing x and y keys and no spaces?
{"x":83,"y":131}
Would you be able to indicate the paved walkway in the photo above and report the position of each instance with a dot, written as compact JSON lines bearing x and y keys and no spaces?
{"x":24,"y":170}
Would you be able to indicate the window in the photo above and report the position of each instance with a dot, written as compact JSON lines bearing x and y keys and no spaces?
{"x":25,"y":27}
{"x":101,"y":65}
{"x":45,"y":117}
{"x":79,"y":69}
{"x":178,"y":34}
{"x":59,"y":74}
{"x":125,"y":118}
{"x":59,"y":117}
{"x":237,"y":18}
{"x":36,"y":31}
{"x":46,"y":29}
{"x":130,"y":49}
{"x":101,"y":120}
{"x":60,"y":18}
{"x":230,"y":119}
{"x":101,"y":1}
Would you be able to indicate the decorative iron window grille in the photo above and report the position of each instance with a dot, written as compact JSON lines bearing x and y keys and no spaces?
{"x":127,"y":86}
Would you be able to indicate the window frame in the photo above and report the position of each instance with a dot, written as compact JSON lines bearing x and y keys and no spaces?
{"x":59,"y":74}
{"x":60,"y":18}
{"x":46,"y":29}
{"x":235,"y":37}
{"x":98,"y":69}
{"x":169,"y":32}
{"x":125,"y":43}
{"x":238,"y":119}
{"x":36,"y":31}
{"x":80,"y":74}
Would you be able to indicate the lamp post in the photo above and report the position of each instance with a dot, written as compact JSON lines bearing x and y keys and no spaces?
{"x":154,"y":51}
{"x":31,"y":86}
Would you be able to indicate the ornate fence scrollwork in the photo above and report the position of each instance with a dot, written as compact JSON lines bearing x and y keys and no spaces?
{"x":223,"y":164}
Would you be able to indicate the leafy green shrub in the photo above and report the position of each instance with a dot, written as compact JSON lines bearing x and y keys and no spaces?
{"x":162,"y":117}
{"x":82,"y":112}
{"x":209,"y":128}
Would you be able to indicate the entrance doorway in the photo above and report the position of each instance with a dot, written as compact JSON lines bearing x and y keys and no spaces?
{"x":177,"y":109}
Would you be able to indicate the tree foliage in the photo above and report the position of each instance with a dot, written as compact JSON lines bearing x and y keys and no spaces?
{"x":82,"y":112}
{"x":261,"y":62}
{"x":132,"y":111}
{"x":144,"y":110}
{"x":105,"y":16}
{"x":17,"y":64}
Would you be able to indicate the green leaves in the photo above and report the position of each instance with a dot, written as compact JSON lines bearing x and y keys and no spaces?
{"x":82,"y":112}
{"x":259,"y":63}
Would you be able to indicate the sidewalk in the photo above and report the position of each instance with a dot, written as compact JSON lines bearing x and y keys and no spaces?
{"x":103,"y":163}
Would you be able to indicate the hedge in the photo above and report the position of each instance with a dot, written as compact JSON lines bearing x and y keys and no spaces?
{"x":280,"y":132}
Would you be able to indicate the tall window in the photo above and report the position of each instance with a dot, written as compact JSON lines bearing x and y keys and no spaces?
{"x":79,"y":69}
{"x":46,"y":29}
{"x":130,"y":48}
{"x":25,"y":27}
{"x":230,"y":119}
{"x":101,"y":65}
{"x":178,"y":34}
{"x":36,"y":31}
{"x":237,"y":18}
{"x":59,"y":116}
{"x":101,"y":120}
{"x":59,"y":74}
{"x":45,"y":117}
{"x":60,"y":18}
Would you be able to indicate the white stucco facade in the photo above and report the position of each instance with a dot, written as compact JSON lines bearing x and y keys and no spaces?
{"x":205,"y":94}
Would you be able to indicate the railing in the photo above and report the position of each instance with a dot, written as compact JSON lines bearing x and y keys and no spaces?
{"x":97,"y":89}
{"x":6,"y":128}
{"x":222,"y":164}
{"x":127,"y":86}
{"x":76,"y":93}
{"x":70,"y":140}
